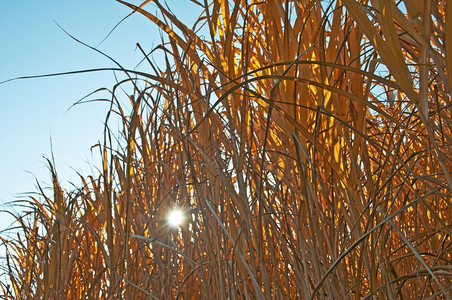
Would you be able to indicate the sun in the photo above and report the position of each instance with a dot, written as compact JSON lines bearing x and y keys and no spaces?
{"x":175,"y":218}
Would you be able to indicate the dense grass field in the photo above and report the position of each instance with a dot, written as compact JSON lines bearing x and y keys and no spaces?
{"x":308,"y":145}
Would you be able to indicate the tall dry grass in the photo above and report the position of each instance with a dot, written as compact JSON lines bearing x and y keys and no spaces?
{"x":308,"y":143}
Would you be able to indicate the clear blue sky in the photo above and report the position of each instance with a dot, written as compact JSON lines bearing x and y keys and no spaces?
{"x":34,"y":110}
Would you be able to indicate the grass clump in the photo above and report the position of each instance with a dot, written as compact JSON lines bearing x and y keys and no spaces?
{"x":306,"y":143}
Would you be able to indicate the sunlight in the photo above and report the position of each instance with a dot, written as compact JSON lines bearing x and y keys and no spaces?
{"x":175,"y":218}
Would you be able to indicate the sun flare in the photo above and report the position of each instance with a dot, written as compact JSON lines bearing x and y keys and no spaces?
{"x":175,"y":218}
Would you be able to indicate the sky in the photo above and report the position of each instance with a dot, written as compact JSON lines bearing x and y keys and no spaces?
{"x":34,"y":117}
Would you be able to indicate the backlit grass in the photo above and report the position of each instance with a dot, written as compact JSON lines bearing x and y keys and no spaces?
{"x":307,"y":144}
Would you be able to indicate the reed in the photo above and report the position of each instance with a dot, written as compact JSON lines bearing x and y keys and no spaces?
{"x":307,"y":143}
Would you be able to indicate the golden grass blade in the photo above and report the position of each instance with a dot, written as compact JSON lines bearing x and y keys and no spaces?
{"x":387,"y":48}
{"x":416,"y":253}
{"x":448,"y":40}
